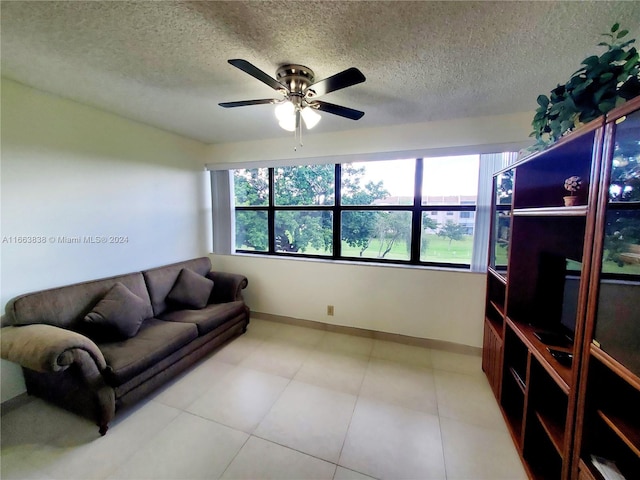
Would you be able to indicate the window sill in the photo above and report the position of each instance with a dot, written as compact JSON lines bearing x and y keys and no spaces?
{"x":356,"y":263}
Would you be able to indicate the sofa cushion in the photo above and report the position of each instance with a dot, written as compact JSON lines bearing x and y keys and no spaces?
{"x":117,"y":316}
{"x":191,"y":290}
{"x":156,"y":340}
{"x":67,"y":306}
{"x":208,"y":318}
{"x":160,"y":280}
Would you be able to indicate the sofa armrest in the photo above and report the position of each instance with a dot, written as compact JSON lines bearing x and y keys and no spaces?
{"x":46,"y":348}
{"x":227,"y":287}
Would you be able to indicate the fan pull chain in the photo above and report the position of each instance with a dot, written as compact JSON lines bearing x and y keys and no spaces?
{"x":297,"y":136}
{"x":301,"y":144}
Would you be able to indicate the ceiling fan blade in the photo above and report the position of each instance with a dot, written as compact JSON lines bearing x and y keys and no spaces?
{"x":344,"y":79}
{"x":245,"y":103}
{"x":338,"y":110}
{"x":257,"y":73}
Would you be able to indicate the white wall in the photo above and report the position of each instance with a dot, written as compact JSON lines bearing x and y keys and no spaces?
{"x":467,"y":135}
{"x":72,"y":170}
{"x":425,"y":303}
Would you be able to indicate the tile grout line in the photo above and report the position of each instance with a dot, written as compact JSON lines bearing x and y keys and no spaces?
{"x":293,"y":449}
{"x":435,"y":387}
{"x":144,"y":445}
{"x":235,"y":456}
{"x":355,"y":404}
{"x":444,"y":455}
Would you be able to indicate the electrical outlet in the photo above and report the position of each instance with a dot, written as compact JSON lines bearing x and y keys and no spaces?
{"x":330,"y":310}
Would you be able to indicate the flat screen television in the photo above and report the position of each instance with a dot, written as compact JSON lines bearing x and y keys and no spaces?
{"x":569,"y":312}
{"x":557,"y":297}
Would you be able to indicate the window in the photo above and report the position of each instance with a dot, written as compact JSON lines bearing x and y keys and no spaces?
{"x":413,"y":211}
{"x":251,"y":189}
{"x":379,"y":234}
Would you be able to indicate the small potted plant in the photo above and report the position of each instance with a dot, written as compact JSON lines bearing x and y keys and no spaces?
{"x":572,"y":185}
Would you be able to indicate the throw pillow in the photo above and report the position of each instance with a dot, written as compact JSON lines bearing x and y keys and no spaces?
{"x":191,"y":289}
{"x":118,"y":315}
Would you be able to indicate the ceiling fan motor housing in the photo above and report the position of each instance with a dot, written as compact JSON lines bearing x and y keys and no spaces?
{"x":296,"y":78}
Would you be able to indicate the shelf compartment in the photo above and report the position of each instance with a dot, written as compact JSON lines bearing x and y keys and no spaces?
{"x":499,"y":241}
{"x":611,"y":363}
{"x":559,"y":373}
{"x":495,"y":316}
{"x":548,"y":405}
{"x":498,"y":307}
{"x":496,"y":289}
{"x":516,"y":355}
{"x":515,"y":372}
{"x":496,"y":326}
{"x":512,"y":403}
{"x":629,"y":434}
{"x":501,"y":221}
{"x":540,"y":178}
{"x":543,"y":255}
{"x":554,"y":431}
{"x":608,"y":444}
{"x":543,"y":458}
{"x":611,"y":417}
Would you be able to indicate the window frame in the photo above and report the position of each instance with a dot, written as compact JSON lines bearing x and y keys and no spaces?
{"x":416,"y":209}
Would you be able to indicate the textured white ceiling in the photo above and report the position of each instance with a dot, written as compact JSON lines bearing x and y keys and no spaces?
{"x":165,"y":63}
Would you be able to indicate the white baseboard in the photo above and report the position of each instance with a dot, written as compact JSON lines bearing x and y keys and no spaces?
{"x":363,"y":332}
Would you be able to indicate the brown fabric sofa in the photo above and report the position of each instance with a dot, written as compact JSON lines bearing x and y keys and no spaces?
{"x":67,"y":361}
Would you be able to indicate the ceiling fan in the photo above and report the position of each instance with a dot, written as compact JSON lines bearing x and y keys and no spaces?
{"x":296,"y":84}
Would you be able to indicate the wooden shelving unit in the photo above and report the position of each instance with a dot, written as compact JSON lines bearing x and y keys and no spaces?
{"x":608,"y":421}
{"x":569,"y":270}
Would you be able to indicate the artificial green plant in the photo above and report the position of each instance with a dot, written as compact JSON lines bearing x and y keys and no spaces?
{"x":601,"y":84}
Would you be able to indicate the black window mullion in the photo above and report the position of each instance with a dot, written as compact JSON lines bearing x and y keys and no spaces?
{"x":385,"y":208}
{"x":416,"y":217}
{"x":303,"y":208}
{"x":337,"y":212}
{"x":271,"y":215}
{"x":449,"y":208}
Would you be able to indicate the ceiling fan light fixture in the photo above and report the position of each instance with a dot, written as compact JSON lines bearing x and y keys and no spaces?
{"x":288,"y":124}
{"x":285,"y":111}
{"x":310,"y":117}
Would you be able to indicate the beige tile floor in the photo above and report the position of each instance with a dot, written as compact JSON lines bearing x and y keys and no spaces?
{"x":284,"y":402}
